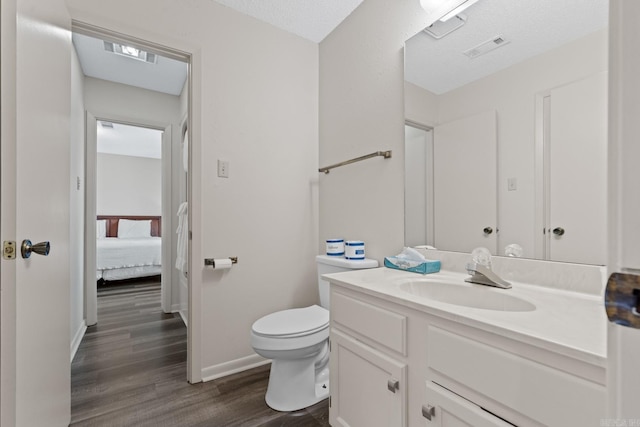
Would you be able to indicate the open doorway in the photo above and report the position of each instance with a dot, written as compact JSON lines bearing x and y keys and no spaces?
{"x":143,"y":89}
{"x":129,"y":206}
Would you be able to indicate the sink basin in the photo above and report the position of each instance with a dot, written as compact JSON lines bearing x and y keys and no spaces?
{"x":468,"y":295}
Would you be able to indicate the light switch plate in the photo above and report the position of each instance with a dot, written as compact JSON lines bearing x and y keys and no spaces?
{"x":223,"y":168}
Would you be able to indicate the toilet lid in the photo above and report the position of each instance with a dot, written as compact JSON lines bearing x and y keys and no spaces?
{"x":296,"y":322}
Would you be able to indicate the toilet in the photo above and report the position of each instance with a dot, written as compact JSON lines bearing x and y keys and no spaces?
{"x":297,"y":341}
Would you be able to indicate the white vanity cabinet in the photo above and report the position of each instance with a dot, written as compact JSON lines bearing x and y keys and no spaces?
{"x":522,"y":384}
{"x":394,"y":364}
{"x":368,"y":364}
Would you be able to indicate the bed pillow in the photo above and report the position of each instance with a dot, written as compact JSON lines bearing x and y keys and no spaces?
{"x":101,"y":228}
{"x":128,"y":228}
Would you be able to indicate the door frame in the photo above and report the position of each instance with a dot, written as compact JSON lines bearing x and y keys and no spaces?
{"x":90,"y":212}
{"x":194,"y":284}
{"x":429,"y":223}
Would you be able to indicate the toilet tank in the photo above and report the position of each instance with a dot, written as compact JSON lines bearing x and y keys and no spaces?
{"x":331,"y":264}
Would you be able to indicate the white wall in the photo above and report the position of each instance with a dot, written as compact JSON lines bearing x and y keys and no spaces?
{"x":361,"y":111}
{"x":512,"y":93}
{"x":76,"y":238}
{"x":420,"y":105}
{"x":255,"y":104}
{"x":128,"y":185}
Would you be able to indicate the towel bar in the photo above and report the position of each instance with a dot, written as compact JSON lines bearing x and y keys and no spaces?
{"x":385,"y":154}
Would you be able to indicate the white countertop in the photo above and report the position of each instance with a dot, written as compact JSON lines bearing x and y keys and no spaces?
{"x":569,"y":323}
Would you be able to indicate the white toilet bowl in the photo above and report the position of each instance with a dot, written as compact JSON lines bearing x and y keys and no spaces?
{"x":297,"y":342}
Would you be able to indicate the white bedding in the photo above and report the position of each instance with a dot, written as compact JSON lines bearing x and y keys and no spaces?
{"x":118,"y":253}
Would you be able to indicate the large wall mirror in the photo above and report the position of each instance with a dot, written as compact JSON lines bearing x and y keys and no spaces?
{"x":506,"y":134}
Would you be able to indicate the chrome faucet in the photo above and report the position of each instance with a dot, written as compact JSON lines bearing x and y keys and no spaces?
{"x":483,"y":275}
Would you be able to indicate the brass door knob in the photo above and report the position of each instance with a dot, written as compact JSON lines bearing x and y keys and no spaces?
{"x":41,"y":248}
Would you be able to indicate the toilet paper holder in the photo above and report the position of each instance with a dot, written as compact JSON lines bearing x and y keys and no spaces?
{"x":212,"y":262}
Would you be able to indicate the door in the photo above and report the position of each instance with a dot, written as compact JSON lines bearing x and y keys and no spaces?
{"x":35,"y":164}
{"x":577,"y":128}
{"x":623,"y":369}
{"x":465,"y":184}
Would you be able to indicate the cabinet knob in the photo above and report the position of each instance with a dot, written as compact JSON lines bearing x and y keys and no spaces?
{"x":558,"y":231}
{"x":393,"y":385}
{"x":487,"y":230}
{"x":428,"y":411}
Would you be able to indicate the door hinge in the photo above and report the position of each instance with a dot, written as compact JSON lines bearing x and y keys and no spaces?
{"x":329,"y":401}
{"x":9,"y":249}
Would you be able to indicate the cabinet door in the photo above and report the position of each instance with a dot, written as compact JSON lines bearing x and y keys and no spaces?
{"x":368,"y":388}
{"x":451,"y":410}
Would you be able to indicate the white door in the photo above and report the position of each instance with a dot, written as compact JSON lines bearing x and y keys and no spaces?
{"x":623,"y":370}
{"x":577,"y":170}
{"x":36,"y":184}
{"x":465,"y":184}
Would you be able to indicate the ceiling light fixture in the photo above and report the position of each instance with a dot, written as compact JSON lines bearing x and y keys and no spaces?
{"x":131,"y":52}
{"x":449,"y":8}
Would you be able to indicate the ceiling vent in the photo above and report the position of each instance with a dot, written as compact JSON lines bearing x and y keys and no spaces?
{"x":131,"y":52}
{"x":439,"y":29}
{"x":486,"y":47}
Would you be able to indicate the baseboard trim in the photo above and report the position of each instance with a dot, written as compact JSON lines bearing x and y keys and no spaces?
{"x":77,"y":339}
{"x":233,"y":367}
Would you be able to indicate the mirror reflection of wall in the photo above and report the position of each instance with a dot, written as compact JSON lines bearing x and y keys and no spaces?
{"x":550,"y":173}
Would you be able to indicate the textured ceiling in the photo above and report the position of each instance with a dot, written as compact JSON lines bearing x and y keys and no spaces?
{"x":531,"y":26}
{"x":311,"y":19}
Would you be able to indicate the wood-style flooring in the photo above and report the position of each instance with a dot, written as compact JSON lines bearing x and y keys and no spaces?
{"x":130,"y":370}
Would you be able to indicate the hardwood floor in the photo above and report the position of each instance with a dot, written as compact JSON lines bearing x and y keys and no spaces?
{"x":130,"y":370}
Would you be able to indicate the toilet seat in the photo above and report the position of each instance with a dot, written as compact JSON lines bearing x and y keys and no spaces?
{"x":292,"y":323}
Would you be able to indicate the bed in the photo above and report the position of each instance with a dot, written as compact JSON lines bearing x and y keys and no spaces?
{"x":128,"y":247}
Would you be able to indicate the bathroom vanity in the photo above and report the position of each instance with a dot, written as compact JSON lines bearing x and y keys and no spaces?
{"x":413,"y":350}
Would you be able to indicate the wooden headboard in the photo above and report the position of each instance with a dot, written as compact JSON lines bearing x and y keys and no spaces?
{"x":112,"y":223}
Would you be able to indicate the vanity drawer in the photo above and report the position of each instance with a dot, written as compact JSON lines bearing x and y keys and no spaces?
{"x":476,"y":370}
{"x":377,"y":323}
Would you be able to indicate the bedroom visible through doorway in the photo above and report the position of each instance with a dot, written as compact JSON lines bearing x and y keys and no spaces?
{"x":128,"y":203}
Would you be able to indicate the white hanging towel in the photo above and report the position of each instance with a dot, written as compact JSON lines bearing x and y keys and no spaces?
{"x":183,"y":237}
